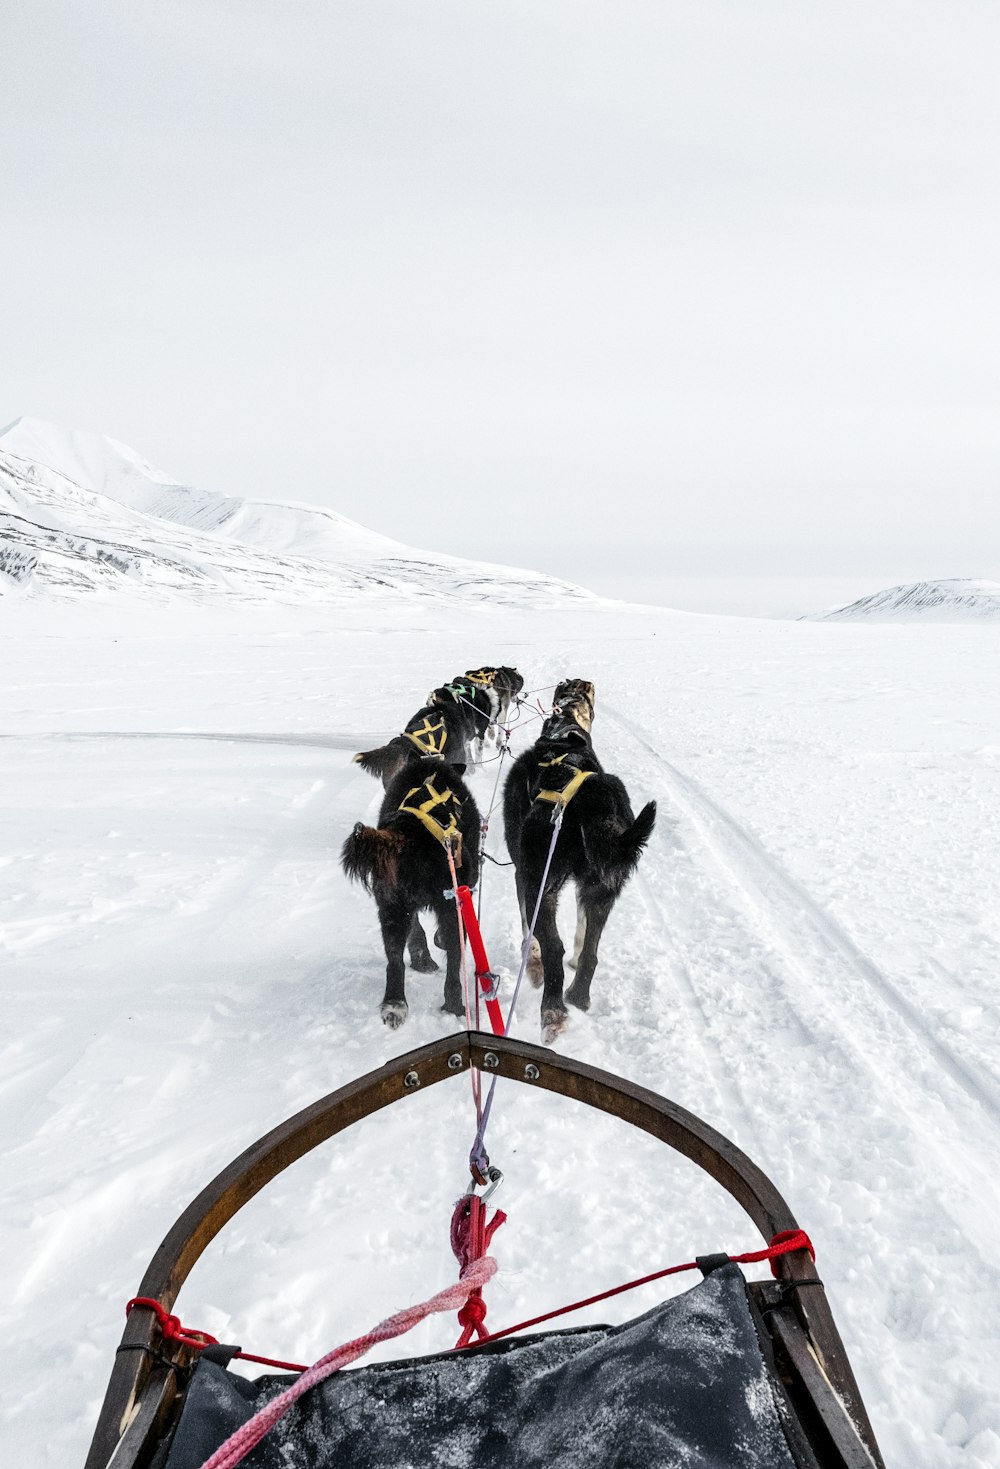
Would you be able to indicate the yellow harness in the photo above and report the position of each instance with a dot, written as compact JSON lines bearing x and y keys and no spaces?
{"x":569,"y":790}
{"x":425,"y":738}
{"x":435,"y":799}
{"x":484,"y":677}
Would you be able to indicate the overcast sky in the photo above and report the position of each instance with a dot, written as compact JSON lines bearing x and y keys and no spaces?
{"x":657,"y":290}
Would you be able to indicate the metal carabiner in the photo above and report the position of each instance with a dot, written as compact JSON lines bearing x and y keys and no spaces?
{"x":489,"y":1184}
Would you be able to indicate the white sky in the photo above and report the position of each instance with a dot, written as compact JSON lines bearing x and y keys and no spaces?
{"x":661,"y":290}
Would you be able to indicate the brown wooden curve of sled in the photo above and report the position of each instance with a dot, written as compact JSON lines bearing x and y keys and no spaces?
{"x":150,"y":1373}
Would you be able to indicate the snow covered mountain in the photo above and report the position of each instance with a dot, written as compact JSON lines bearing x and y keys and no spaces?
{"x":81,"y":513}
{"x":960,"y":599}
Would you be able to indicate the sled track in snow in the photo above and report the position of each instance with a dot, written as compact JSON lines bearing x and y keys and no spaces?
{"x":784,"y":908}
{"x":350,"y":742}
{"x":731,"y":1097}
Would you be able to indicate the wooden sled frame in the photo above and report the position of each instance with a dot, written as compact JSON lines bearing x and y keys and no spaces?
{"x":149,"y":1373}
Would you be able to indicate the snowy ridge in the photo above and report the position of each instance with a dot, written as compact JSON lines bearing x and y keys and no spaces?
{"x":81,"y":513}
{"x":958,"y":599}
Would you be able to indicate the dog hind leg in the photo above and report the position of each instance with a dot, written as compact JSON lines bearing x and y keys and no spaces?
{"x":554,"y":1016}
{"x":581,"y":931}
{"x":534,"y":966}
{"x":596,"y":908}
{"x":394,"y":918}
{"x":421,"y":960}
{"x":447,"y":932}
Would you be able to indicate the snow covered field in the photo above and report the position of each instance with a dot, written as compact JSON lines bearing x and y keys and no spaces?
{"x":808,"y":958}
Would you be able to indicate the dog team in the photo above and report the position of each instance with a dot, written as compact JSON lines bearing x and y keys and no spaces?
{"x":429,"y":820}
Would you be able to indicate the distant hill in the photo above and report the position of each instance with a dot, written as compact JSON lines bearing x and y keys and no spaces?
{"x":81,"y":513}
{"x":960,"y":599}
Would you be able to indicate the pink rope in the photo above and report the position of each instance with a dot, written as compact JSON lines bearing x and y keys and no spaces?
{"x":239,"y":1444}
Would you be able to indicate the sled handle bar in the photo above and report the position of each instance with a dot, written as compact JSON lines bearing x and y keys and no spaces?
{"x":404,"y":1077}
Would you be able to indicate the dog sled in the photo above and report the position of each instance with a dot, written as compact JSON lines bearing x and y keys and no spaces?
{"x":731,"y":1373}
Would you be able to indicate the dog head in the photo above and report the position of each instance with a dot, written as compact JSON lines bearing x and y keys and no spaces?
{"x":564,"y":730}
{"x":574,"y":697}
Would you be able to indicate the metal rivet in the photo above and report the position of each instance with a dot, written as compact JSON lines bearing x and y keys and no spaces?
{"x":411,"y":1079}
{"x":491,"y":1060}
{"x":531,"y":1072}
{"x":454,"y":1061}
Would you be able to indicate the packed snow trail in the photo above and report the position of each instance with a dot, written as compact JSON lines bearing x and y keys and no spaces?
{"x":187,"y":967}
{"x":781,"y":1005}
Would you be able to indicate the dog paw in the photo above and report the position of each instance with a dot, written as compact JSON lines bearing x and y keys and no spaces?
{"x":423,"y":964}
{"x":578,"y":998}
{"x":535,"y":971}
{"x":453,"y":1002}
{"x":554,"y":1022}
{"x":394,"y":1014}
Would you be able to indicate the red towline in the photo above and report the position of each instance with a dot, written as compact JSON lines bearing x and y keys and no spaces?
{"x":487,"y":979}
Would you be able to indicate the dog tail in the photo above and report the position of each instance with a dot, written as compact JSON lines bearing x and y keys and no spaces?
{"x":635,"y":837}
{"x":378,"y":762}
{"x":371,"y":854}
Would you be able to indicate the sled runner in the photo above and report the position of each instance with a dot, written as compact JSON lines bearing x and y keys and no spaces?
{"x":731,"y":1375}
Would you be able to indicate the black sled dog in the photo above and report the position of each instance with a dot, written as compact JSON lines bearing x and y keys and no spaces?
{"x":598,"y":845}
{"x":451,"y":725}
{"x":402,"y":863}
{"x":500,"y":686}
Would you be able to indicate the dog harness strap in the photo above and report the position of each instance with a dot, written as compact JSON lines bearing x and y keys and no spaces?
{"x":458,"y":690}
{"x":422,"y":811}
{"x":569,"y":790}
{"x":424,"y":739}
{"x":484,"y":677}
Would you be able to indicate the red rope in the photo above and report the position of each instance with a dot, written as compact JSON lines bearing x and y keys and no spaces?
{"x":470,"y":1239}
{"x":784,"y":1243}
{"x":271,"y":1362}
{"x":467,"y":1236}
{"x":173,"y":1330}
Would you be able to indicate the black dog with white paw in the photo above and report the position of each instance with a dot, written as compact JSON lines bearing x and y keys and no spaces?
{"x":598,"y":846}
{"x":403,"y":863}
